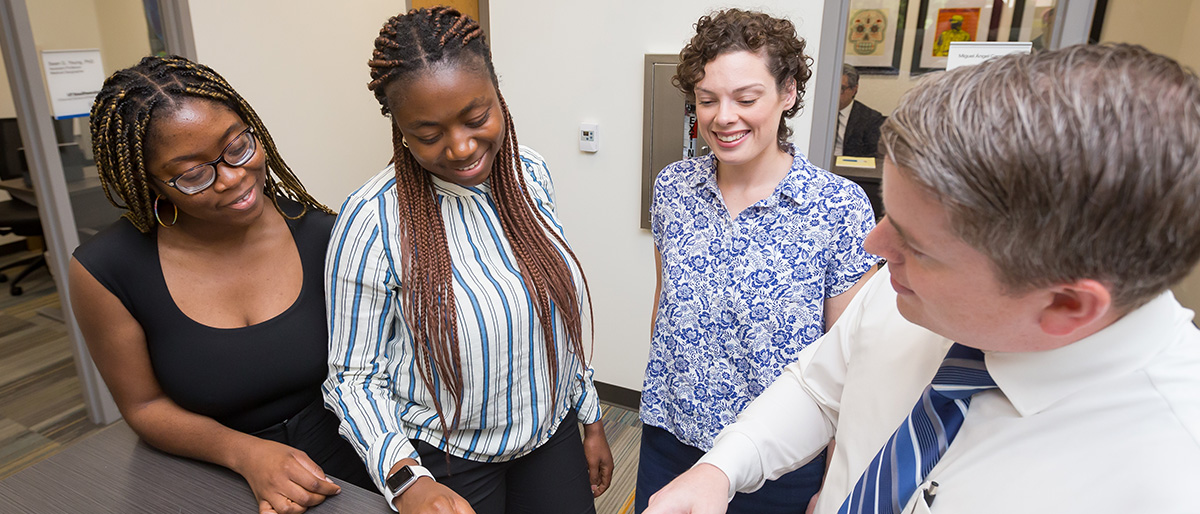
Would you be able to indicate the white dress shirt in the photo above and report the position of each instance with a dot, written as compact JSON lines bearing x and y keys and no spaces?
{"x":374,"y":385}
{"x":1110,"y":423}
{"x":840,"y":141}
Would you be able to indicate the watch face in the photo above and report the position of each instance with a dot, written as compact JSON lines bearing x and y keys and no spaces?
{"x":399,"y":478}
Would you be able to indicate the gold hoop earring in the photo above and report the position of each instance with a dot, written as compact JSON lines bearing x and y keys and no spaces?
{"x":160,"y":221}
{"x":404,"y":142}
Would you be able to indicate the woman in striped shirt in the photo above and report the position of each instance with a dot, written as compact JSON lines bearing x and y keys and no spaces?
{"x":455,"y":302}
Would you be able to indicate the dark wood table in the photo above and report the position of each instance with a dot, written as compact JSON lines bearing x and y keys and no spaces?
{"x":113,"y":471}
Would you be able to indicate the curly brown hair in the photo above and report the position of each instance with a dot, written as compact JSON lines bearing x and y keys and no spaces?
{"x":734,"y":30}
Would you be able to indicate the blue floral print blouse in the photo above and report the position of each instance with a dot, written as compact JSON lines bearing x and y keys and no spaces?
{"x":741,"y":297}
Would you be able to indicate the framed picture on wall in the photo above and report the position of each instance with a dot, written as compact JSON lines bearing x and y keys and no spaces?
{"x":875,"y":35}
{"x":1034,"y":22}
{"x":941,"y":22}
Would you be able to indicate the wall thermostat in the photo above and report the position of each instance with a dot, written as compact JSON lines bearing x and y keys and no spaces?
{"x":589,"y":137}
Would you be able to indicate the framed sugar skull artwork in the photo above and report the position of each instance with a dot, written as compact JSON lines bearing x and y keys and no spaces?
{"x":875,"y":35}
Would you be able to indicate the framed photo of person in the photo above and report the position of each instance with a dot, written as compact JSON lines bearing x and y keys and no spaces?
{"x":941,"y":22}
{"x":875,"y":35}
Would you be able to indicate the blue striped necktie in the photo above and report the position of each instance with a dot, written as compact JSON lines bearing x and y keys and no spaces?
{"x":904,"y":462}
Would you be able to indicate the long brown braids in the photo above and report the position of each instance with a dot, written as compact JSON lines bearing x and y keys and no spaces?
{"x":409,"y":44}
{"x":121,"y":115}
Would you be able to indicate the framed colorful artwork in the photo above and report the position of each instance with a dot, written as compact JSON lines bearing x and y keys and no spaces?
{"x":875,"y":36}
{"x":941,"y":22}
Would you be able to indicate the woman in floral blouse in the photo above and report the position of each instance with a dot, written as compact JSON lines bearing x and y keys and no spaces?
{"x":758,"y":251}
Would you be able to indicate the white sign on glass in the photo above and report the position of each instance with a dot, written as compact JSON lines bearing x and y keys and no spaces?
{"x":73,"y":78}
{"x":963,"y":53}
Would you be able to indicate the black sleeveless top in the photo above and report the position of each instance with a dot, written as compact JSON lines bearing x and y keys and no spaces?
{"x":245,"y":378}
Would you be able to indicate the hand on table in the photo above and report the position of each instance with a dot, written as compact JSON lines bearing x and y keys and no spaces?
{"x":599,"y":458}
{"x":701,"y":490}
{"x":284,"y":480}
{"x":426,"y":496}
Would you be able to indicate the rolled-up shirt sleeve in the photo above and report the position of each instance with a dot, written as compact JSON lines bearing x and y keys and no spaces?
{"x":585,"y":399}
{"x":362,"y":297}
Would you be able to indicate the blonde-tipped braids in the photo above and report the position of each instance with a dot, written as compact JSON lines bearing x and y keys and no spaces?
{"x":121,"y":117}
{"x":410,"y":44}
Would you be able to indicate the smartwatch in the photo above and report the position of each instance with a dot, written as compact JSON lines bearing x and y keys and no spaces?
{"x":405,"y":477}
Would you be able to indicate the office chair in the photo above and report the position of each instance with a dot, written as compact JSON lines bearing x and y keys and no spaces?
{"x":20,"y":218}
{"x":17,"y":217}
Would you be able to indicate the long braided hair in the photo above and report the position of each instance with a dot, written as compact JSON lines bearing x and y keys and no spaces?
{"x":121,"y":115}
{"x":409,"y":44}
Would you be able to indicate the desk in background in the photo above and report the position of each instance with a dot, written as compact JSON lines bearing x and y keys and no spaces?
{"x":114,"y":472}
{"x":90,"y":207}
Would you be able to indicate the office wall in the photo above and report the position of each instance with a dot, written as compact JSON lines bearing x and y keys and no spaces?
{"x":1164,"y":26}
{"x":583,"y":62}
{"x":124,"y":36}
{"x":302,"y":64}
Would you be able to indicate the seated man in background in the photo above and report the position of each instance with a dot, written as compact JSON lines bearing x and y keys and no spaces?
{"x":1039,"y":207}
{"x":858,"y":125}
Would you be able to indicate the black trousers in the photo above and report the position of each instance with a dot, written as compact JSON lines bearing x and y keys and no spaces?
{"x":314,"y":430}
{"x":552,"y":479}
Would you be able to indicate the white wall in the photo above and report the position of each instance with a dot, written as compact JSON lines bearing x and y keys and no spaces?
{"x":302,"y":64}
{"x":583,"y":61}
{"x":1164,"y":26}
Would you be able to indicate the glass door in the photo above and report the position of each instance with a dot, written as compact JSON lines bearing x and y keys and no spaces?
{"x":57,"y":54}
{"x":873,"y":51}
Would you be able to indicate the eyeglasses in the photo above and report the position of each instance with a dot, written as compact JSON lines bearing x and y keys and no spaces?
{"x":236,"y":154}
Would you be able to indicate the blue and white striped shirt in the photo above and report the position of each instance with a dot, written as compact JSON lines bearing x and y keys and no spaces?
{"x":373,"y":384}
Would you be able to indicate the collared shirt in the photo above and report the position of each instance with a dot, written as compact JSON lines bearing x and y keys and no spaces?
{"x":740,"y":297}
{"x":374,"y":386}
{"x":839,"y":143}
{"x":1110,"y":423}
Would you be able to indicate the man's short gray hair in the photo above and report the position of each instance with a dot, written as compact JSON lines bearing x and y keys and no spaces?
{"x":851,"y":74}
{"x":1080,"y":163}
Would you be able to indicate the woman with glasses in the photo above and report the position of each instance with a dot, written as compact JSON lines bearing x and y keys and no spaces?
{"x":203,"y":306}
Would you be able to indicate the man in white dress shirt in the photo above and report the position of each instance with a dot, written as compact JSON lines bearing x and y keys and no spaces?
{"x":1039,"y":208}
